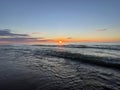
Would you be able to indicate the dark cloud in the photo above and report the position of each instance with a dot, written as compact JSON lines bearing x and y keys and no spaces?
{"x":22,"y":39}
{"x":17,"y":39}
{"x":7,"y":32}
{"x":7,"y":36}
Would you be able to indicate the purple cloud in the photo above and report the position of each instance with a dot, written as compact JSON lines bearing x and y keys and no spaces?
{"x":7,"y":32}
{"x":19,"y":38}
{"x":23,"y":40}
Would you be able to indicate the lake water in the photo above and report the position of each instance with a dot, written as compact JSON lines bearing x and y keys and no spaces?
{"x":81,"y":66}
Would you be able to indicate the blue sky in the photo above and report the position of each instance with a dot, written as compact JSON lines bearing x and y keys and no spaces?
{"x":78,"y":19}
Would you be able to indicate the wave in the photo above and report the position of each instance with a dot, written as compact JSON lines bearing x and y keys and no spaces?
{"x":108,"y":47}
{"x":101,"y":61}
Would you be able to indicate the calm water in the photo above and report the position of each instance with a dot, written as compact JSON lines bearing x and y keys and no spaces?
{"x":82,"y":66}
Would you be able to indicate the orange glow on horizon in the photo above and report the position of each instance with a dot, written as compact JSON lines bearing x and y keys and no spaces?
{"x":60,"y":42}
{"x":64,"y":40}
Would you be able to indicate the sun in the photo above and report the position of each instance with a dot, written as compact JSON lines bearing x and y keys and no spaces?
{"x":60,"y":42}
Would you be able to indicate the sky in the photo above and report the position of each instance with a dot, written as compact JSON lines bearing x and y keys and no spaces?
{"x":51,"y":21}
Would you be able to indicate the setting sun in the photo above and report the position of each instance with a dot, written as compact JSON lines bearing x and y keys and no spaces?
{"x":60,"y":42}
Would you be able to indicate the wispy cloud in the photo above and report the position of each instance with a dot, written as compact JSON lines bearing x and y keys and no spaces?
{"x":101,"y":30}
{"x":69,"y":37}
{"x":36,"y":33}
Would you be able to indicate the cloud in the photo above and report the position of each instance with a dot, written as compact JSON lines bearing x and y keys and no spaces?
{"x":6,"y":36}
{"x":101,"y":30}
{"x":24,"y":40}
{"x":69,"y":37}
{"x":35,"y":33}
{"x":18,"y":39}
{"x":7,"y":32}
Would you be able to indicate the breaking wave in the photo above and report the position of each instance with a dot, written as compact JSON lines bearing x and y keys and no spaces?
{"x":96,"y":60}
{"x":108,"y":47}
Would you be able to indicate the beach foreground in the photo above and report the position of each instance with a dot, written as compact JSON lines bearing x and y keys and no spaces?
{"x":59,"y":68}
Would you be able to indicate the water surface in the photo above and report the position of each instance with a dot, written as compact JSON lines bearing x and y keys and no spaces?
{"x":52,"y":67}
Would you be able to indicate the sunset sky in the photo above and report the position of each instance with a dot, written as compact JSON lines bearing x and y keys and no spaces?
{"x":50,"y":21}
